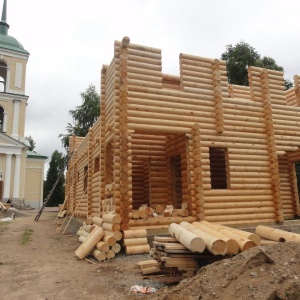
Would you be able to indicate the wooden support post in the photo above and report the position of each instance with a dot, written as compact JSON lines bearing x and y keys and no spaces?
{"x":218,"y":96}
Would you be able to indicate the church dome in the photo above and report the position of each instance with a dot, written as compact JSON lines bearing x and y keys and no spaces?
{"x":9,"y":42}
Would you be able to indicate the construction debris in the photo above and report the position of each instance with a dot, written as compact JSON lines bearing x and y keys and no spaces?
{"x":8,"y":219}
{"x":142,"y":289}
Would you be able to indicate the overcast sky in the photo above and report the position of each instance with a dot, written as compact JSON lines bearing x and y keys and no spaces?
{"x":69,"y":40}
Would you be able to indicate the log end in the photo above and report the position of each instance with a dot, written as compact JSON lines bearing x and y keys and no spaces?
{"x":125,"y":42}
{"x":197,"y":245}
{"x":232,"y":247}
{"x":219,"y":247}
{"x":249,"y":244}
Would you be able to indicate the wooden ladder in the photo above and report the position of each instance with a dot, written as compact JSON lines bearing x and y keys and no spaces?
{"x":53,"y":188}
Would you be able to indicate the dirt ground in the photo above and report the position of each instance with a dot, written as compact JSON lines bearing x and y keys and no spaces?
{"x":45,"y":267}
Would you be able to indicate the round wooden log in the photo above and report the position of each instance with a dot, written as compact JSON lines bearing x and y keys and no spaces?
{"x":141,"y":249}
{"x":135,"y":241}
{"x":82,"y":238}
{"x":232,"y":245}
{"x":88,"y":228}
{"x":276,"y":234}
{"x":116,"y":248}
{"x":244,"y":243}
{"x":98,"y":221}
{"x":265,"y":242}
{"x":247,"y":235}
{"x":99,"y":255}
{"x":187,"y":238}
{"x":248,"y":218}
{"x":125,"y":226}
{"x":132,"y":234}
{"x":136,"y":214}
{"x":102,"y":246}
{"x":161,"y":221}
{"x":88,"y":221}
{"x":110,"y":254}
{"x":143,"y":214}
{"x":110,"y":240}
{"x":159,"y":209}
{"x":117,"y":234}
{"x":214,"y":245}
{"x":79,"y":231}
{"x":181,"y":212}
{"x":111,"y":227}
{"x":91,"y":241}
{"x":112,"y":218}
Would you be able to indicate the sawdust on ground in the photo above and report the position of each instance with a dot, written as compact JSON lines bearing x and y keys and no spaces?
{"x":46,"y":268}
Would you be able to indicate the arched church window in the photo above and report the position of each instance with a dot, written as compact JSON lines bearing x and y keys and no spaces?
{"x":3,"y":75}
{"x":1,"y":118}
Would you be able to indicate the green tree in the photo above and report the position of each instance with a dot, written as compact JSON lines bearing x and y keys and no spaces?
{"x":56,"y":165}
{"x":31,"y":142}
{"x":238,"y":58}
{"x":242,"y":55}
{"x":84,"y":116}
{"x":270,"y":63}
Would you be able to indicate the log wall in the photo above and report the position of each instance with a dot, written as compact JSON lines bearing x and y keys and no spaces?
{"x":224,"y":152}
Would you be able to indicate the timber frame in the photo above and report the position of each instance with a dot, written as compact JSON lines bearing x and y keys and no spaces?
{"x":224,"y":152}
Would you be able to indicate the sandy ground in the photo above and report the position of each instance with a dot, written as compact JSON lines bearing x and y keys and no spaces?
{"x":46,"y":267}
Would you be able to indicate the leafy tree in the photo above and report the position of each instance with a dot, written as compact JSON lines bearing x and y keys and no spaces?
{"x":56,"y":165}
{"x":31,"y":142}
{"x":270,"y":63}
{"x":238,"y":58}
{"x":242,"y":55}
{"x":84,"y":116}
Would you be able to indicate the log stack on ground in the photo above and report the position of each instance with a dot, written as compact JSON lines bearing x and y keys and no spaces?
{"x":149,"y":267}
{"x":136,"y":242}
{"x":244,"y":239}
{"x":110,"y":242}
{"x":90,"y":242}
{"x":192,"y":245}
{"x":175,"y":259}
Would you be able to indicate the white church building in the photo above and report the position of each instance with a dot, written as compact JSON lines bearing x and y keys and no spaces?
{"x":21,"y":171}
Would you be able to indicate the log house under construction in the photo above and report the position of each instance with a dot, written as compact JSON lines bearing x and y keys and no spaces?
{"x":226,"y":153}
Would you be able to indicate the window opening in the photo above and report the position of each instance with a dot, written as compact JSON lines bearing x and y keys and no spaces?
{"x":3,"y":75}
{"x":1,"y":118}
{"x":218,"y":173}
{"x":85,"y":178}
{"x":96,"y":165}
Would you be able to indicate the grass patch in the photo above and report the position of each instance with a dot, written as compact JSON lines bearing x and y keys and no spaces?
{"x":3,"y":226}
{"x":7,"y":263}
{"x":26,"y":236}
{"x":57,"y":238}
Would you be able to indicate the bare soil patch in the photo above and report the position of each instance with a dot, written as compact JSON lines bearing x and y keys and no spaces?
{"x":45,"y":266}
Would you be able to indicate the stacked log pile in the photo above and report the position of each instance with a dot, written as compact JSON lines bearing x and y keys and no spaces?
{"x":105,"y":245}
{"x":159,"y":211}
{"x":173,"y":258}
{"x":136,"y":242}
{"x":192,"y":245}
{"x":149,"y":267}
